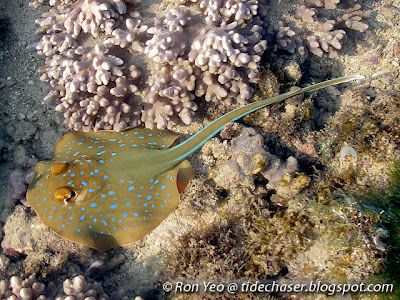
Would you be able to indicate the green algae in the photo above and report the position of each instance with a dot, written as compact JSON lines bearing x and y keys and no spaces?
{"x":384,"y":205}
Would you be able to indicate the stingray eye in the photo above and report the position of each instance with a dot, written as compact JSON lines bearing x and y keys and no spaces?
{"x":64,"y":194}
{"x":58,"y":168}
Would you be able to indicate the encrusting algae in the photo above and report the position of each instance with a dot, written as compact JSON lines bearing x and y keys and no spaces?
{"x":105,"y":189}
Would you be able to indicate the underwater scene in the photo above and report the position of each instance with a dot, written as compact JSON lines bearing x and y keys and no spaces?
{"x":199,"y":149}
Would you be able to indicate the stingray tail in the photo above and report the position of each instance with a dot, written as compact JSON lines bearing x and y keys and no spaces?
{"x":186,"y":148}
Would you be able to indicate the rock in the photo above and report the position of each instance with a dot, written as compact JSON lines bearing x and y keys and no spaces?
{"x":20,"y":156}
{"x":21,"y":131}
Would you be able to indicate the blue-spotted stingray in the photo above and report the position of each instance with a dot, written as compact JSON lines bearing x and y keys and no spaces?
{"x":104,"y":189}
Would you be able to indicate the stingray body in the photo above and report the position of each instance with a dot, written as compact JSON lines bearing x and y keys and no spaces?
{"x":105,"y":189}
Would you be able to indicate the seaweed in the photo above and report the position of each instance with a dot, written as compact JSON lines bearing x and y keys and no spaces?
{"x":384,"y":204}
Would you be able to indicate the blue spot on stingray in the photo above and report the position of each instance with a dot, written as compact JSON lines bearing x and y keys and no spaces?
{"x":50,"y":217}
{"x":134,"y":224}
{"x":112,"y":140}
{"x":96,"y":171}
{"x":111,"y":192}
{"x":141,"y":187}
{"x":139,"y":196}
{"x":53,"y":208}
{"x":89,"y":147}
{"x":95,"y":220}
{"x":152,"y":206}
{"x":148,"y":197}
{"x":82,"y":182}
{"x":60,"y":217}
{"x":128,"y":204}
{"x":101,"y":161}
{"x":122,"y":181}
{"x":80,"y":143}
{"x":104,"y":223}
{"x":144,"y":204}
{"x":69,"y":207}
{"x":91,"y":173}
{"x":131,"y":188}
{"x":90,"y":226}
{"x":101,"y":152}
{"x":124,"y":214}
{"x":113,"y":154}
{"x":114,"y":206}
{"x":102,"y":195}
{"x":82,"y":208}
{"x":82,"y":218}
{"x":93,"y":205}
{"x":112,"y":219}
{"x":91,"y":190}
{"x":135,"y":214}
{"x":151,"y":180}
{"x":165,"y":201}
{"x":105,"y":177}
{"x":78,"y":230}
{"x":75,"y":154}
{"x":163,"y":187}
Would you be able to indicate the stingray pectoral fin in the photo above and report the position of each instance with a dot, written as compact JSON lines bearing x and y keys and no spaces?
{"x":148,"y":207}
{"x":104,"y":144}
{"x":185,"y":174}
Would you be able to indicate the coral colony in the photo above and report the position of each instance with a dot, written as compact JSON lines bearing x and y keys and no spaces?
{"x":77,"y":288}
{"x":94,"y":88}
{"x":89,"y":46}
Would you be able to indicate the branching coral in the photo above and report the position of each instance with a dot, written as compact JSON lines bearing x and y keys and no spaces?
{"x":86,"y":15}
{"x":216,"y":53}
{"x":91,"y":89}
{"x":217,"y":58}
{"x":168,"y":96}
{"x":77,"y":288}
{"x":320,"y":34}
